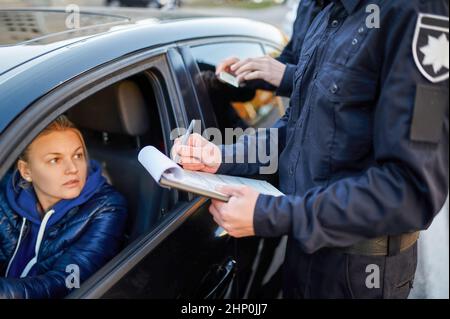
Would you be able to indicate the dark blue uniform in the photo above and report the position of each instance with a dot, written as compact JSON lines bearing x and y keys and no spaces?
{"x":364,"y":146}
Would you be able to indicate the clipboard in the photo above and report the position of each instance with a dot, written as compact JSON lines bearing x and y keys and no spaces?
{"x":192,"y":189}
{"x":168,"y":174}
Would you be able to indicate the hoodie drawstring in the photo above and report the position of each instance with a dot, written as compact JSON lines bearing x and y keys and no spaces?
{"x":40,"y":236}
{"x":22,"y":228}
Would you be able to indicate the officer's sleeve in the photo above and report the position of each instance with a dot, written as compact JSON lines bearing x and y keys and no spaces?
{"x":405,"y":187}
{"x":287,"y":57}
{"x":255,"y":153}
{"x":287,"y":82}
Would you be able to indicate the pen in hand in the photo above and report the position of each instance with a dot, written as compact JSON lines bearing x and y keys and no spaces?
{"x":185,"y":138}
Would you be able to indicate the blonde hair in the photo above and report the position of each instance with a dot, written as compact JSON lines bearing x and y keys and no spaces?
{"x":60,"y":124}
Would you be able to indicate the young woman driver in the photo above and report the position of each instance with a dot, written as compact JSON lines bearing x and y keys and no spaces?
{"x":59,"y":219}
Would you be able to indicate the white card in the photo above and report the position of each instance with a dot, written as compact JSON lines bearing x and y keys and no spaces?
{"x":228,"y":78}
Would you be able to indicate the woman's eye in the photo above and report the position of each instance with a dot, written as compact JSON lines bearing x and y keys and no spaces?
{"x":53,"y":161}
{"x":79,"y":156}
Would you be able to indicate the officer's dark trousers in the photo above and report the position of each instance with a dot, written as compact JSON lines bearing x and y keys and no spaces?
{"x":332,"y":274}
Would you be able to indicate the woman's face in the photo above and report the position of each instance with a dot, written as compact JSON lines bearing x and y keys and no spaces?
{"x":56,"y":166}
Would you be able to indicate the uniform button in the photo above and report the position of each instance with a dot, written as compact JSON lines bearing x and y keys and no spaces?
{"x":361,"y":30}
{"x":291,"y":171}
{"x":335,"y":23}
{"x":355,"y":41}
{"x":334,"y":88}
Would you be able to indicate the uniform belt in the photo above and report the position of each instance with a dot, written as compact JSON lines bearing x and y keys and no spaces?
{"x":382,"y":246}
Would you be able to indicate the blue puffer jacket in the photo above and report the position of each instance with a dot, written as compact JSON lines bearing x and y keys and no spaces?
{"x":85,"y":236}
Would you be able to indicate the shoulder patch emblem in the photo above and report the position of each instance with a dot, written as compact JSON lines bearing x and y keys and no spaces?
{"x":430,"y":47}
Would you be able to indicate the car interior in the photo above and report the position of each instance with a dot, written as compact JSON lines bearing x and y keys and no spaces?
{"x":116,"y":123}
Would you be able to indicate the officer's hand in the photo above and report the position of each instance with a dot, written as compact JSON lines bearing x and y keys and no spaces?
{"x":263,"y":68}
{"x":236,"y":216}
{"x":198,"y":154}
{"x":225,"y":65}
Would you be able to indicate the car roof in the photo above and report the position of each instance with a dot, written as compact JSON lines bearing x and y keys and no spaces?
{"x":33,"y":62}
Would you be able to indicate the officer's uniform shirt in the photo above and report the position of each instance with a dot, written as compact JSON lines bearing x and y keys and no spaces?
{"x":364,"y":143}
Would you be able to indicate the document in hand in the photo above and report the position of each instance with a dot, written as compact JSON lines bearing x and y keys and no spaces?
{"x":228,"y":78}
{"x":168,"y":174}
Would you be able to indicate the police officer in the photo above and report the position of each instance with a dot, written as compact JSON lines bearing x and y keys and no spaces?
{"x":364,"y":151}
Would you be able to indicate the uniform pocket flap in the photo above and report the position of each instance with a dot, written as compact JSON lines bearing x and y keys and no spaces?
{"x":341,"y":84}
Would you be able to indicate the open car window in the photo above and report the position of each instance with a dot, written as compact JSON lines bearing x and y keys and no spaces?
{"x":236,"y":107}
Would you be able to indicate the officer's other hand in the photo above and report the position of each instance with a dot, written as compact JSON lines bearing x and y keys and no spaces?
{"x":263,"y":68}
{"x":198,"y":154}
{"x":236,"y":216}
{"x":225,"y":65}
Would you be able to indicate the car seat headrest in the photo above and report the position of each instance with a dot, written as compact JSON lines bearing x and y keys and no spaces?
{"x":120,"y":108}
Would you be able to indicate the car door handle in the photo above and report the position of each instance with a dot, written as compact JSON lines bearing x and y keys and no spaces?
{"x":217,"y":281}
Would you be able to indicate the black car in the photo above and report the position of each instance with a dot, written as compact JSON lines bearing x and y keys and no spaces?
{"x":127,"y":79}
